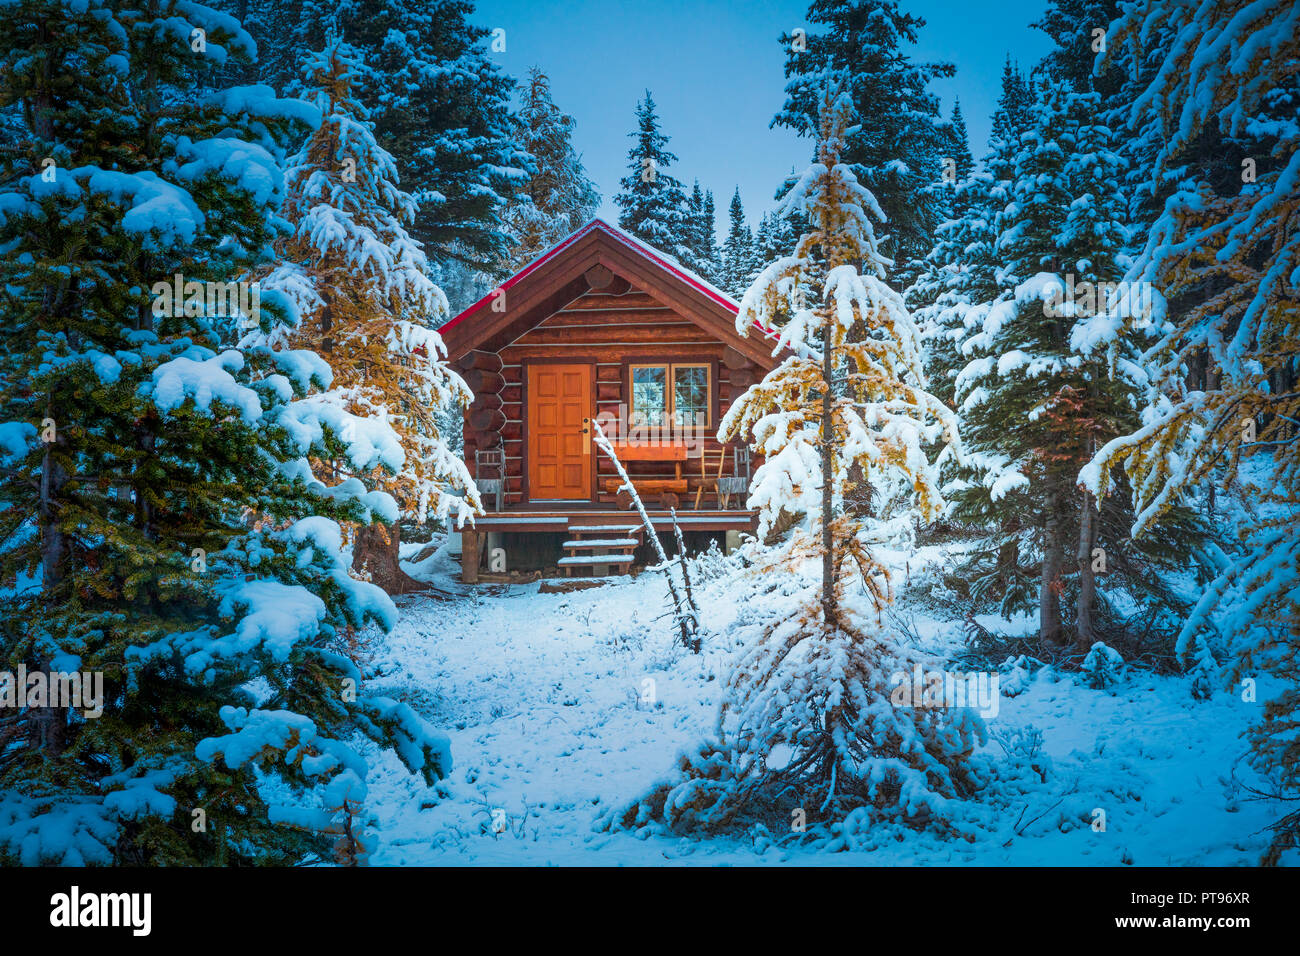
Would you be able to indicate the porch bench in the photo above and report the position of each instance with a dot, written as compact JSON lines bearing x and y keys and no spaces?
{"x":666,"y":488}
{"x":650,"y":486}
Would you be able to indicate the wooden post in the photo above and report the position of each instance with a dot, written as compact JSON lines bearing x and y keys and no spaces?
{"x":471,"y":549}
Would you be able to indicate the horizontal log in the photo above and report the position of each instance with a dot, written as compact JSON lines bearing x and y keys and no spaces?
{"x":609,"y":391}
{"x":478,"y":359}
{"x":645,"y":332}
{"x":729,"y":393}
{"x":616,"y":352}
{"x":609,"y":373}
{"x":600,"y":300}
{"x":512,"y":432}
{"x":480,"y":381}
{"x":652,"y":486}
{"x":592,"y":317}
{"x":485,"y":400}
{"x":512,"y":393}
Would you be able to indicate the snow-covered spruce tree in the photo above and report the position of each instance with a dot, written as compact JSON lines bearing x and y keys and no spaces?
{"x":950,"y":280}
{"x":558,"y":197}
{"x":284,"y":31}
{"x":653,"y":204}
{"x":776,"y":235}
{"x":959,"y":144}
{"x":897,"y":149}
{"x":440,"y":105}
{"x":818,"y":683}
{"x":1047,"y":383}
{"x":1237,"y":236}
{"x":1072,"y":25}
{"x":162,"y":528}
{"x":369,"y":307}
{"x":961,"y":270}
{"x":709,"y":238}
{"x":703,"y":240}
{"x":737,"y":249}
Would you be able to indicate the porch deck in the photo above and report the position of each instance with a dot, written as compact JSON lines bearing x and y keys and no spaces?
{"x":544,"y":519}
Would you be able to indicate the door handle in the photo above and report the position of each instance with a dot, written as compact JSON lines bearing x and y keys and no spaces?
{"x":586,"y":436}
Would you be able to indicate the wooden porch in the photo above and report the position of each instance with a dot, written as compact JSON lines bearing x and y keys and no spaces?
{"x":594,"y":531}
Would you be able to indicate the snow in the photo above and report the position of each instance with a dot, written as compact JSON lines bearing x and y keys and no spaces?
{"x":15,"y":439}
{"x":204,"y":380}
{"x":562,"y":706}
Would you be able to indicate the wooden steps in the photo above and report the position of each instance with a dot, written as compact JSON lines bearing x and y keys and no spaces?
{"x":610,"y":545}
{"x":580,"y":545}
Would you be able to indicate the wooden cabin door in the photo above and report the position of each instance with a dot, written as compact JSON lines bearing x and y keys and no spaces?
{"x":559,"y":453}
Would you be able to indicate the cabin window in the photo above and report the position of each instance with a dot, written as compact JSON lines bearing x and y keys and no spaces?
{"x":675,"y":392}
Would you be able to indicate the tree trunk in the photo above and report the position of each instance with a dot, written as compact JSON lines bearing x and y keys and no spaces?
{"x":48,"y":725}
{"x":1049,"y":598}
{"x":375,"y":553}
{"x":1087,"y":635}
{"x":828,"y":481}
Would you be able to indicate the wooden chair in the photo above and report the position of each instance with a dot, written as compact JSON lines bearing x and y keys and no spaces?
{"x":710,"y":465}
{"x":493,"y":458}
{"x":737,"y":483}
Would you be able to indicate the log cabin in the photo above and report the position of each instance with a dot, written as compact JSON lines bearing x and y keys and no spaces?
{"x":601,"y":328}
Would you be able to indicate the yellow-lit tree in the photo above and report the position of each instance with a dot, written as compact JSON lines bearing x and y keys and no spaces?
{"x":808,"y":719}
{"x":368,"y":306}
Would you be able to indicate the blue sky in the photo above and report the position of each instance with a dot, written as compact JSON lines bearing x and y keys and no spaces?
{"x":715,"y":69}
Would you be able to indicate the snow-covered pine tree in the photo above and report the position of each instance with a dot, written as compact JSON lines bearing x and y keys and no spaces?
{"x":737,"y":249}
{"x":654,"y":206}
{"x":441,"y":106}
{"x":162,"y":526}
{"x":897,"y":149}
{"x":818,"y":684}
{"x":558,"y":197}
{"x":1047,"y":383}
{"x":368,"y":306}
{"x":703,"y":241}
{"x":710,"y":244}
{"x":1225,"y":248}
{"x":1078,"y":31}
{"x":777,"y":234}
{"x":283,"y":31}
{"x":961,"y":270}
{"x":959,"y":144}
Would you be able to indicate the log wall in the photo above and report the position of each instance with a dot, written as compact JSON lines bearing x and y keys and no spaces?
{"x":610,"y":333}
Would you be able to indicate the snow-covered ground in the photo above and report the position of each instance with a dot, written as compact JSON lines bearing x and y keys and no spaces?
{"x":560,"y":706}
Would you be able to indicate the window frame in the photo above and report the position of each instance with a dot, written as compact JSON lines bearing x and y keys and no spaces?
{"x":670,"y":398}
